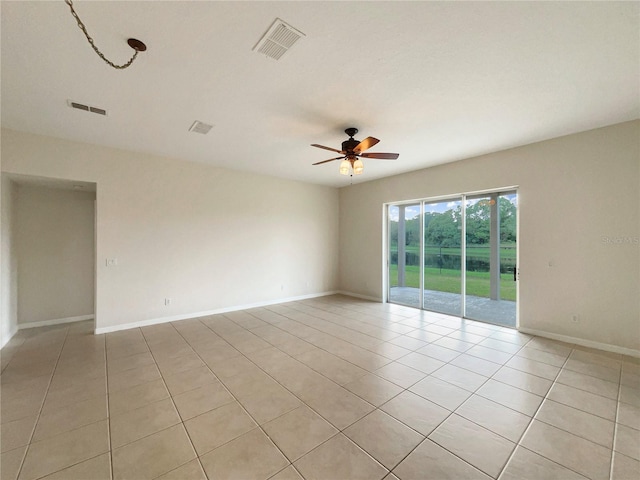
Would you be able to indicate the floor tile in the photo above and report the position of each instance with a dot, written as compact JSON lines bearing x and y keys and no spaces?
{"x":189,"y":380}
{"x":533,"y":367}
{"x":588,"y":383}
{"x":399,"y":374}
{"x":629,"y":415}
{"x":153,"y":456}
{"x":440,"y":463}
{"x":416,"y":412}
{"x":476,"y":445}
{"x":339,"y":406}
{"x":527,"y":464}
{"x":97,"y":468}
{"x":219,"y":426}
{"x":514,"y":398}
{"x":524,"y":381}
{"x":582,"y":400}
{"x":571,"y":451}
{"x":269,"y":403}
{"x":495,"y":417}
{"x":10,"y":462}
{"x":460,"y":377}
{"x":289,"y":473}
{"x":299,"y":431}
{"x":189,"y":471}
{"x":251,"y":455}
{"x":628,"y":442}
{"x":624,"y":468}
{"x":70,"y":417}
{"x":340,"y":458}
{"x":475,"y":364}
{"x":16,"y":433}
{"x":135,"y":424}
{"x":420,"y":362}
{"x":439,"y":353}
{"x":121,"y":364}
{"x":136,"y":397}
{"x":384,"y":438}
{"x":578,"y":422}
{"x":56,"y":453}
{"x":443,"y":393}
{"x":630,"y":395}
{"x":202,"y":399}
{"x":133,"y":377}
{"x":172,"y":366}
{"x":374,"y":389}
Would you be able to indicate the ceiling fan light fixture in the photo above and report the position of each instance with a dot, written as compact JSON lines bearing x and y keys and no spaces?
{"x":358,"y":167}
{"x":345,"y":166}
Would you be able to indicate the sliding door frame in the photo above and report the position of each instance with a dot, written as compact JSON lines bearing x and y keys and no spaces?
{"x":462,"y":197}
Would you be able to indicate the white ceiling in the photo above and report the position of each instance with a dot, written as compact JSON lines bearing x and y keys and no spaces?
{"x":434,"y":81}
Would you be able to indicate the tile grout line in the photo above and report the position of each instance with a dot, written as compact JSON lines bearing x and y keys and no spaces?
{"x":615,"y":424}
{"x":519,"y":442}
{"x":233,"y":396}
{"x":44,"y":399}
{"x":106,"y":368}
{"x":174,"y":405}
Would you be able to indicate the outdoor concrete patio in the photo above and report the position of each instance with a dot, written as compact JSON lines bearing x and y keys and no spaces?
{"x":501,"y":312}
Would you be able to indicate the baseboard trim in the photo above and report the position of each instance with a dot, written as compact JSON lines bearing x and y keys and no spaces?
{"x":187,"y":316}
{"x":9,"y":335}
{"x":581,"y":341}
{"x":358,"y":295}
{"x":55,"y":321}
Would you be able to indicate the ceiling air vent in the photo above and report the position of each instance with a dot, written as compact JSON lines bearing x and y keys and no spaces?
{"x":279,"y":38}
{"x":87,"y":108}
{"x":200,"y":127}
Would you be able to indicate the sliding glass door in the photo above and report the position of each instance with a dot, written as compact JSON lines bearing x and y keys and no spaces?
{"x":442,"y":258}
{"x":490,"y":258}
{"x":456,"y":256}
{"x":404,"y":254}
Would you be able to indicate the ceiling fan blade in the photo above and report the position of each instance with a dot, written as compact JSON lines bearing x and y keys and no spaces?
{"x":327,"y":148}
{"x":381,"y":156}
{"x":325,"y":161}
{"x":366,"y":144}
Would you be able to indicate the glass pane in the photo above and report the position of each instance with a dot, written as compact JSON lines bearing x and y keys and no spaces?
{"x":404,"y":254}
{"x":490,"y":258}
{"x":442,"y":257}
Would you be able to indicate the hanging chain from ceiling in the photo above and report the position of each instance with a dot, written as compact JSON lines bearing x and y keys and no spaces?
{"x":136,"y":49}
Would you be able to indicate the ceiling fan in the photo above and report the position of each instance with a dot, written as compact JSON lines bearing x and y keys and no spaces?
{"x":351,"y":152}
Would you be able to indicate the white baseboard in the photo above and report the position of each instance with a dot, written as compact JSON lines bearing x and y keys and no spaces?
{"x":186,"y":316}
{"x":581,"y":341}
{"x":55,"y":321}
{"x":9,"y":335}
{"x":358,"y":295}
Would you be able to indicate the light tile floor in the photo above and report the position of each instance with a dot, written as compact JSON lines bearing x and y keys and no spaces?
{"x":330,"y":388}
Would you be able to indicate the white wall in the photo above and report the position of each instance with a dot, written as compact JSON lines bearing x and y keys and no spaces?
{"x":8,"y":267}
{"x":577,"y":195}
{"x":55,"y":251}
{"x":207,"y":238}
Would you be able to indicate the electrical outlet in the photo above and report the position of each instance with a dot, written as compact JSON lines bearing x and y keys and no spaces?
{"x":111,"y":262}
{"x":167,"y":301}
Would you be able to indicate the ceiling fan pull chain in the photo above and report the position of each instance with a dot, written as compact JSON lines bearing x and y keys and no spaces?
{"x":137,"y":45}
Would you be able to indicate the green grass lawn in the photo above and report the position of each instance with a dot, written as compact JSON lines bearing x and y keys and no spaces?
{"x":449,"y":281}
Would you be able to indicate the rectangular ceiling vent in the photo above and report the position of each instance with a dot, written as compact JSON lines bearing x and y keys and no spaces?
{"x":200,"y":127}
{"x":278,"y":40}
{"x":87,"y":108}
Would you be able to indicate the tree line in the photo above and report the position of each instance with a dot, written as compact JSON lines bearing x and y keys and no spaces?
{"x":444,"y":229}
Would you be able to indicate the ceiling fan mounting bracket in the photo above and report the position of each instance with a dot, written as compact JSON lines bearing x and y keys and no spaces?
{"x":351,"y":131}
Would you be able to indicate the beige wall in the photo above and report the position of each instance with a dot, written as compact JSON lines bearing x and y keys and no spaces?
{"x":577,"y":194}
{"x":55,"y":253}
{"x":8,"y":265}
{"x":207,"y":238}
